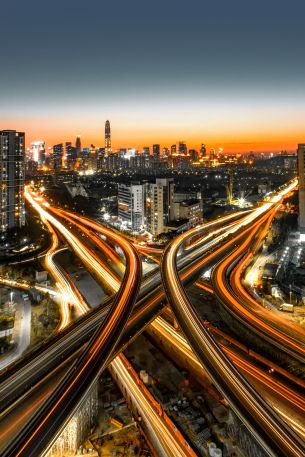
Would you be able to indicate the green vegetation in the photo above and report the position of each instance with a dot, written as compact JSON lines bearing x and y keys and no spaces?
{"x":45,"y":318}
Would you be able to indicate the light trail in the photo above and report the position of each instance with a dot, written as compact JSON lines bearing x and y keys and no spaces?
{"x":167,"y":444}
{"x":253,"y":308}
{"x":86,"y":256}
{"x":295,"y":400}
{"x":52,"y":416}
{"x":270,"y":431}
{"x":67,"y":294}
{"x":244,"y":306}
{"x":161,"y":295}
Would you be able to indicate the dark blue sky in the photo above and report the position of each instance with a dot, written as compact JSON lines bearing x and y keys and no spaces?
{"x":145,"y":59}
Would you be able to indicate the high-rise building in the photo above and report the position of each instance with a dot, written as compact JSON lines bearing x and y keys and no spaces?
{"x":168,"y":198}
{"x":203,"y":151}
{"x":70,"y":155}
{"x":173,"y":149}
{"x":131,"y":205}
{"x":156,"y":151}
{"x":122,"y":152}
{"x":182,"y":148}
{"x":146,"y":151}
{"x":57,"y":156}
{"x":194,"y":156}
{"x":78,"y":145}
{"x":301,"y":177}
{"x":107,"y":139}
{"x":154,"y":208}
{"x":68,"y":145}
{"x":165,"y":153}
{"x":38,"y":152}
{"x":12,"y":155}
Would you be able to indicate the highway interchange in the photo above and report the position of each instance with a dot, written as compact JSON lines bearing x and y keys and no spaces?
{"x":227,"y":243}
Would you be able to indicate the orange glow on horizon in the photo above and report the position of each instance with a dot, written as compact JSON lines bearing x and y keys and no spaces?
{"x":124,"y":137}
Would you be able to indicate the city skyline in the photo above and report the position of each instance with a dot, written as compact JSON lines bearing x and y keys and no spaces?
{"x":230,"y":77}
{"x":234,"y":147}
{"x":152,"y":228}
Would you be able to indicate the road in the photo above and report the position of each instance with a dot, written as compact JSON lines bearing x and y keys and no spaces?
{"x":23,"y":337}
{"x":192,"y":256}
{"x":89,"y":258}
{"x":275,"y":437}
{"x":283,"y":397}
{"x":52,"y":416}
{"x":269,"y":324}
{"x":67,"y":342}
{"x":156,"y":422}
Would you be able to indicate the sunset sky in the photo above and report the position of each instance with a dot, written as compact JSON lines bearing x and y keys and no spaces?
{"x":224,"y":73}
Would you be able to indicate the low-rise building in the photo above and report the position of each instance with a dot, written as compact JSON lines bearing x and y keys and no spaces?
{"x":190,"y":210}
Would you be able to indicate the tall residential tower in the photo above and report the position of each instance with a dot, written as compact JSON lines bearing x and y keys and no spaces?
{"x":12,"y":154}
{"x":301,"y":176}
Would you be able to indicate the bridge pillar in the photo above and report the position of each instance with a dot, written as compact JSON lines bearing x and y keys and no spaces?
{"x":78,"y":428}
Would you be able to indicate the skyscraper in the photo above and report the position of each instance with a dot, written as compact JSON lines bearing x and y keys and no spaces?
{"x":194,"y":156}
{"x":78,"y":145}
{"x":12,"y":153}
{"x":182,"y":148}
{"x":146,"y":151}
{"x":107,"y":139}
{"x":165,"y":153}
{"x":38,"y":152}
{"x":70,"y":155}
{"x":57,"y":156}
{"x":156,"y":151}
{"x":173,"y":149}
{"x":203,"y":151}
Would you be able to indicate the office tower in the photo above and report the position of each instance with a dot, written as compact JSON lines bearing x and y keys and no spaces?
{"x":203,"y":151}
{"x":38,"y":152}
{"x":122,"y":152}
{"x":156,"y":151}
{"x":131,"y":205}
{"x":212,"y":154}
{"x":131,"y":152}
{"x":173,"y":149}
{"x":154,"y":208}
{"x":68,"y":144}
{"x":165,"y":153}
{"x":182,"y":148}
{"x":194,"y":156}
{"x":57,"y":156}
{"x":107,"y":139}
{"x":78,"y":145}
{"x":301,"y":177}
{"x":70,"y":155}
{"x":146,"y":151}
{"x":114,"y":162}
{"x":168,"y":198}
{"x":12,"y":155}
